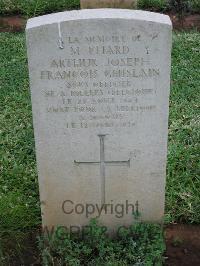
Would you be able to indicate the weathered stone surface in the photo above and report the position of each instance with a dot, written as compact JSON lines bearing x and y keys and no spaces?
{"x":100,"y":90}
{"x":129,"y":4}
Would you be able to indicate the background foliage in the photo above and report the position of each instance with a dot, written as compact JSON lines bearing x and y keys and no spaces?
{"x":31,"y":8}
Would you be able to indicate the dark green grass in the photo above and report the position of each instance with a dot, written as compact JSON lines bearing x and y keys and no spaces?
{"x":141,"y":244}
{"x":19,"y":200}
{"x":31,"y":8}
{"x":183,"y":180}
{"x":181,"y":7}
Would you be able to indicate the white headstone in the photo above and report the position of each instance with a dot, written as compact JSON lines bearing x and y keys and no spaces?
{"x":100,"y":85}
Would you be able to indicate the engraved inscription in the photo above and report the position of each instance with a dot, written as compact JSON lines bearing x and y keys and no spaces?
{"x":102,"y":81}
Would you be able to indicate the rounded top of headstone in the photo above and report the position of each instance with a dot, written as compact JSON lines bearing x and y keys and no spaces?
{"x":104,"y":13}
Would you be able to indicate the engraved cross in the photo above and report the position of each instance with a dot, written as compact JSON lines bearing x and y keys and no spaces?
{"x":103,"y":164}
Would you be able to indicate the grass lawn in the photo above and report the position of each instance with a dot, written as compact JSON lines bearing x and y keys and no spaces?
{"x":19,"y":198}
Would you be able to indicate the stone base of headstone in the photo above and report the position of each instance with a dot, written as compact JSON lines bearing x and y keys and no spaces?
{"x":129,"y":4}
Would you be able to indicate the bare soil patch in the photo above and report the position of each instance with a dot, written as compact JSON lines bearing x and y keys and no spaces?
{"x":183,"y":245}
{"x":186,"y":23}
{"x":12,"y":24}
{"x":17,"y":23}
